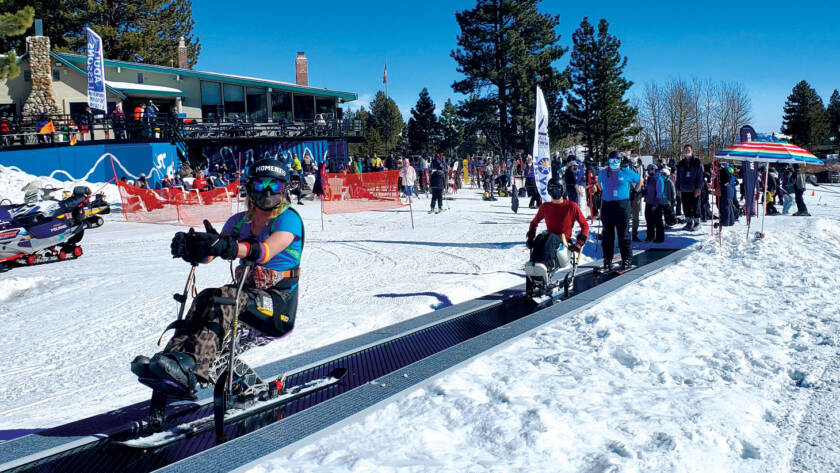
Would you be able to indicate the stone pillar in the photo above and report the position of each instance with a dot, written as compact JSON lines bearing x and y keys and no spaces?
{"x":41,"y":98}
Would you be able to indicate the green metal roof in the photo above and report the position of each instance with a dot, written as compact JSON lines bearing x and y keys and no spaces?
{"x":69,"y":64}
{"x":227,"y":78}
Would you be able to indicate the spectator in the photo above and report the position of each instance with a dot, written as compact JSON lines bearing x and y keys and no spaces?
{"x":531,"y":184}
{"x":655,"y":203}
{"x":142,"y":183}
{"x":200,"y":183}
{"x":150,"y":117}
{"x":670,"y":198}
{"x":799,"y":190}
{"x":724,"y":195}
{"x":690,"y":184}
{"x":570,"y":179}
{"x":636,"y":199}
{"x":118,"y":122}
{"x":296,"y":166}
{"x":786,"y":190}
{"x":409,"y":177}
{"x":437,"y":183}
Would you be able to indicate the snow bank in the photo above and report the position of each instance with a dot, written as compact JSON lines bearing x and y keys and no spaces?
{"x":13,"y":179}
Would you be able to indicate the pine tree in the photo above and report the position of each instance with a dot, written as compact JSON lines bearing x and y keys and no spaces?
{"x":386,"y":119}
{"x":144,"y":31}
{"x":451,"y":128}
{"x":833,"y":110}
{"x":506,"y":48}
{"x":61,"y":19}
{"x":13,"y":24}
{"x":805,"y":119}
{"x":423,"y":125}
{"x":597,"y":108}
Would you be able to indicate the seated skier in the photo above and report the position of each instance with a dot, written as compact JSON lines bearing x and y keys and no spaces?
{"x":560,"y":215}
{"x":269,"y":235}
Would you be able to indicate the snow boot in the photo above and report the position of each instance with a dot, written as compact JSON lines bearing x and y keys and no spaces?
{"x":177,"y":372}
{"x":626,"y":264}
{"x":431,"y":211}
{"x":437,"y":211}
{"x":689,"y":225}
{"x":140,"y":367}
{"x":607,"y":266}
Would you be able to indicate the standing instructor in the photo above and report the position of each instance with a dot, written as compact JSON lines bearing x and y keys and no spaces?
{"x":615,"y":183}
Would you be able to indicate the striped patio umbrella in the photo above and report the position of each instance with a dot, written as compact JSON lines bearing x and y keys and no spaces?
{"x":773,"y":152}
{"x":767,"y":152}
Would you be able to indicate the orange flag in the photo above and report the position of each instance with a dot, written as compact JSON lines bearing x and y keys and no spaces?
{"x":49,"y":127}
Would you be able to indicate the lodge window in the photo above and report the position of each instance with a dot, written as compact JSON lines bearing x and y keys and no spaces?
{"x":234,"y":102}
{"x":304,"y":107}
{"x":139,"y":77}
{"x":281,"y":106}
{"x":211,"y":100}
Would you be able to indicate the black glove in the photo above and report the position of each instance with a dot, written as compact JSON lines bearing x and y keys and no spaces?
{"x":529,"y":238}
{"x":195,"y":247}
{"x":577,"y":246}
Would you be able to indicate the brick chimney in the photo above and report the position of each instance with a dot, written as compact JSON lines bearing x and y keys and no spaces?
{"x":301,"y":69}
{"x":41,"y":97}
{"x":183,"y":62}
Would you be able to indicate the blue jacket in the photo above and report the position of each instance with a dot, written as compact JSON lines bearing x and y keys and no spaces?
{"x":689,"y":175}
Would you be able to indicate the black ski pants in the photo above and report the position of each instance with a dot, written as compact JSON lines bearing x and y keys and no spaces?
{"x":437,"y":196}
{"x":800,"y":202}
{"x":691,"y":205}
{"x":655,"y":226}
{"x":615,"y":216}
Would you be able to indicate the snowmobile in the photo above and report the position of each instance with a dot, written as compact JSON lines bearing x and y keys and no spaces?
{"x":545,"y":279}
{"x":236,"y":396}
{"x":47,"y":231}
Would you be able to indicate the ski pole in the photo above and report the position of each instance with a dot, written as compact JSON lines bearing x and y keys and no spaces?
{"x":235,"y":325}
{"x":182,"y":299}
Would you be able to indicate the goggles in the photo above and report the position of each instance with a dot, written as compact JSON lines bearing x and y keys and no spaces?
{"x":267,"y":184}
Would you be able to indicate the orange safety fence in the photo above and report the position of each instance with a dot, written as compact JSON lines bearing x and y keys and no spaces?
{"x":351,"y":192}
{"x":175,"y":205}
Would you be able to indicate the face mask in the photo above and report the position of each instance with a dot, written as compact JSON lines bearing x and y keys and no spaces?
{"x":615,"y":164}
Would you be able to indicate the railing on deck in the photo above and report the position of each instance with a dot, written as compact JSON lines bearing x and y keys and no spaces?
{"x":21,"y":131}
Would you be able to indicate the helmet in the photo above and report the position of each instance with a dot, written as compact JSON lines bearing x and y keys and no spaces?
{"x":555,"y":188}
{"x":263,"y":195}
{"x":651,"y":167}
{"x":665,"y":171}
{"x":615,"y":159}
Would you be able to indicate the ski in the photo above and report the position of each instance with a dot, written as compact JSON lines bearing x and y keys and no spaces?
{"x":205,"y":424}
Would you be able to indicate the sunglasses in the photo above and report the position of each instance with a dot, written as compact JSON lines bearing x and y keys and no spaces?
{"x":272,"y":185}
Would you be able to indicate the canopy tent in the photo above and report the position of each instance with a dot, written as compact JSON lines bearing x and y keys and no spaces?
{"x":767,"y":152}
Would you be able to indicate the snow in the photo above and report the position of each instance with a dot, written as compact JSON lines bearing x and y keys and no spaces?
{"x":716,"y":364}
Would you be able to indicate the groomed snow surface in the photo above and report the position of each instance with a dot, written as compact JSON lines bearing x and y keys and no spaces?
{"x":717,"y":364}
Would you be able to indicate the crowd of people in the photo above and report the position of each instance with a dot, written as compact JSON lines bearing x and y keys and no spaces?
{"x":685,"y":191}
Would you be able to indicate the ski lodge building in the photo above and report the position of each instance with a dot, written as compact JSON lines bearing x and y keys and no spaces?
{"x":57,"y":83}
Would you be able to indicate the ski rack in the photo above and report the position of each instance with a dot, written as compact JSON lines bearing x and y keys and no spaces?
{"x":383,"y":364}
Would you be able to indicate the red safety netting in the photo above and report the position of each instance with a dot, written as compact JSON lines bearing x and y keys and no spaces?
{"x":177,"y":205}
{"x":351,"y":192}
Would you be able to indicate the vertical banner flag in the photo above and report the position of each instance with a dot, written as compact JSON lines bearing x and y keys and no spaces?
{"x":95,"y":72}
{"x":542,"y":161}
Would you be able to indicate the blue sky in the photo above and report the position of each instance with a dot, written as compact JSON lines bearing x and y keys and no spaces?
{"x":769,"y":47}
